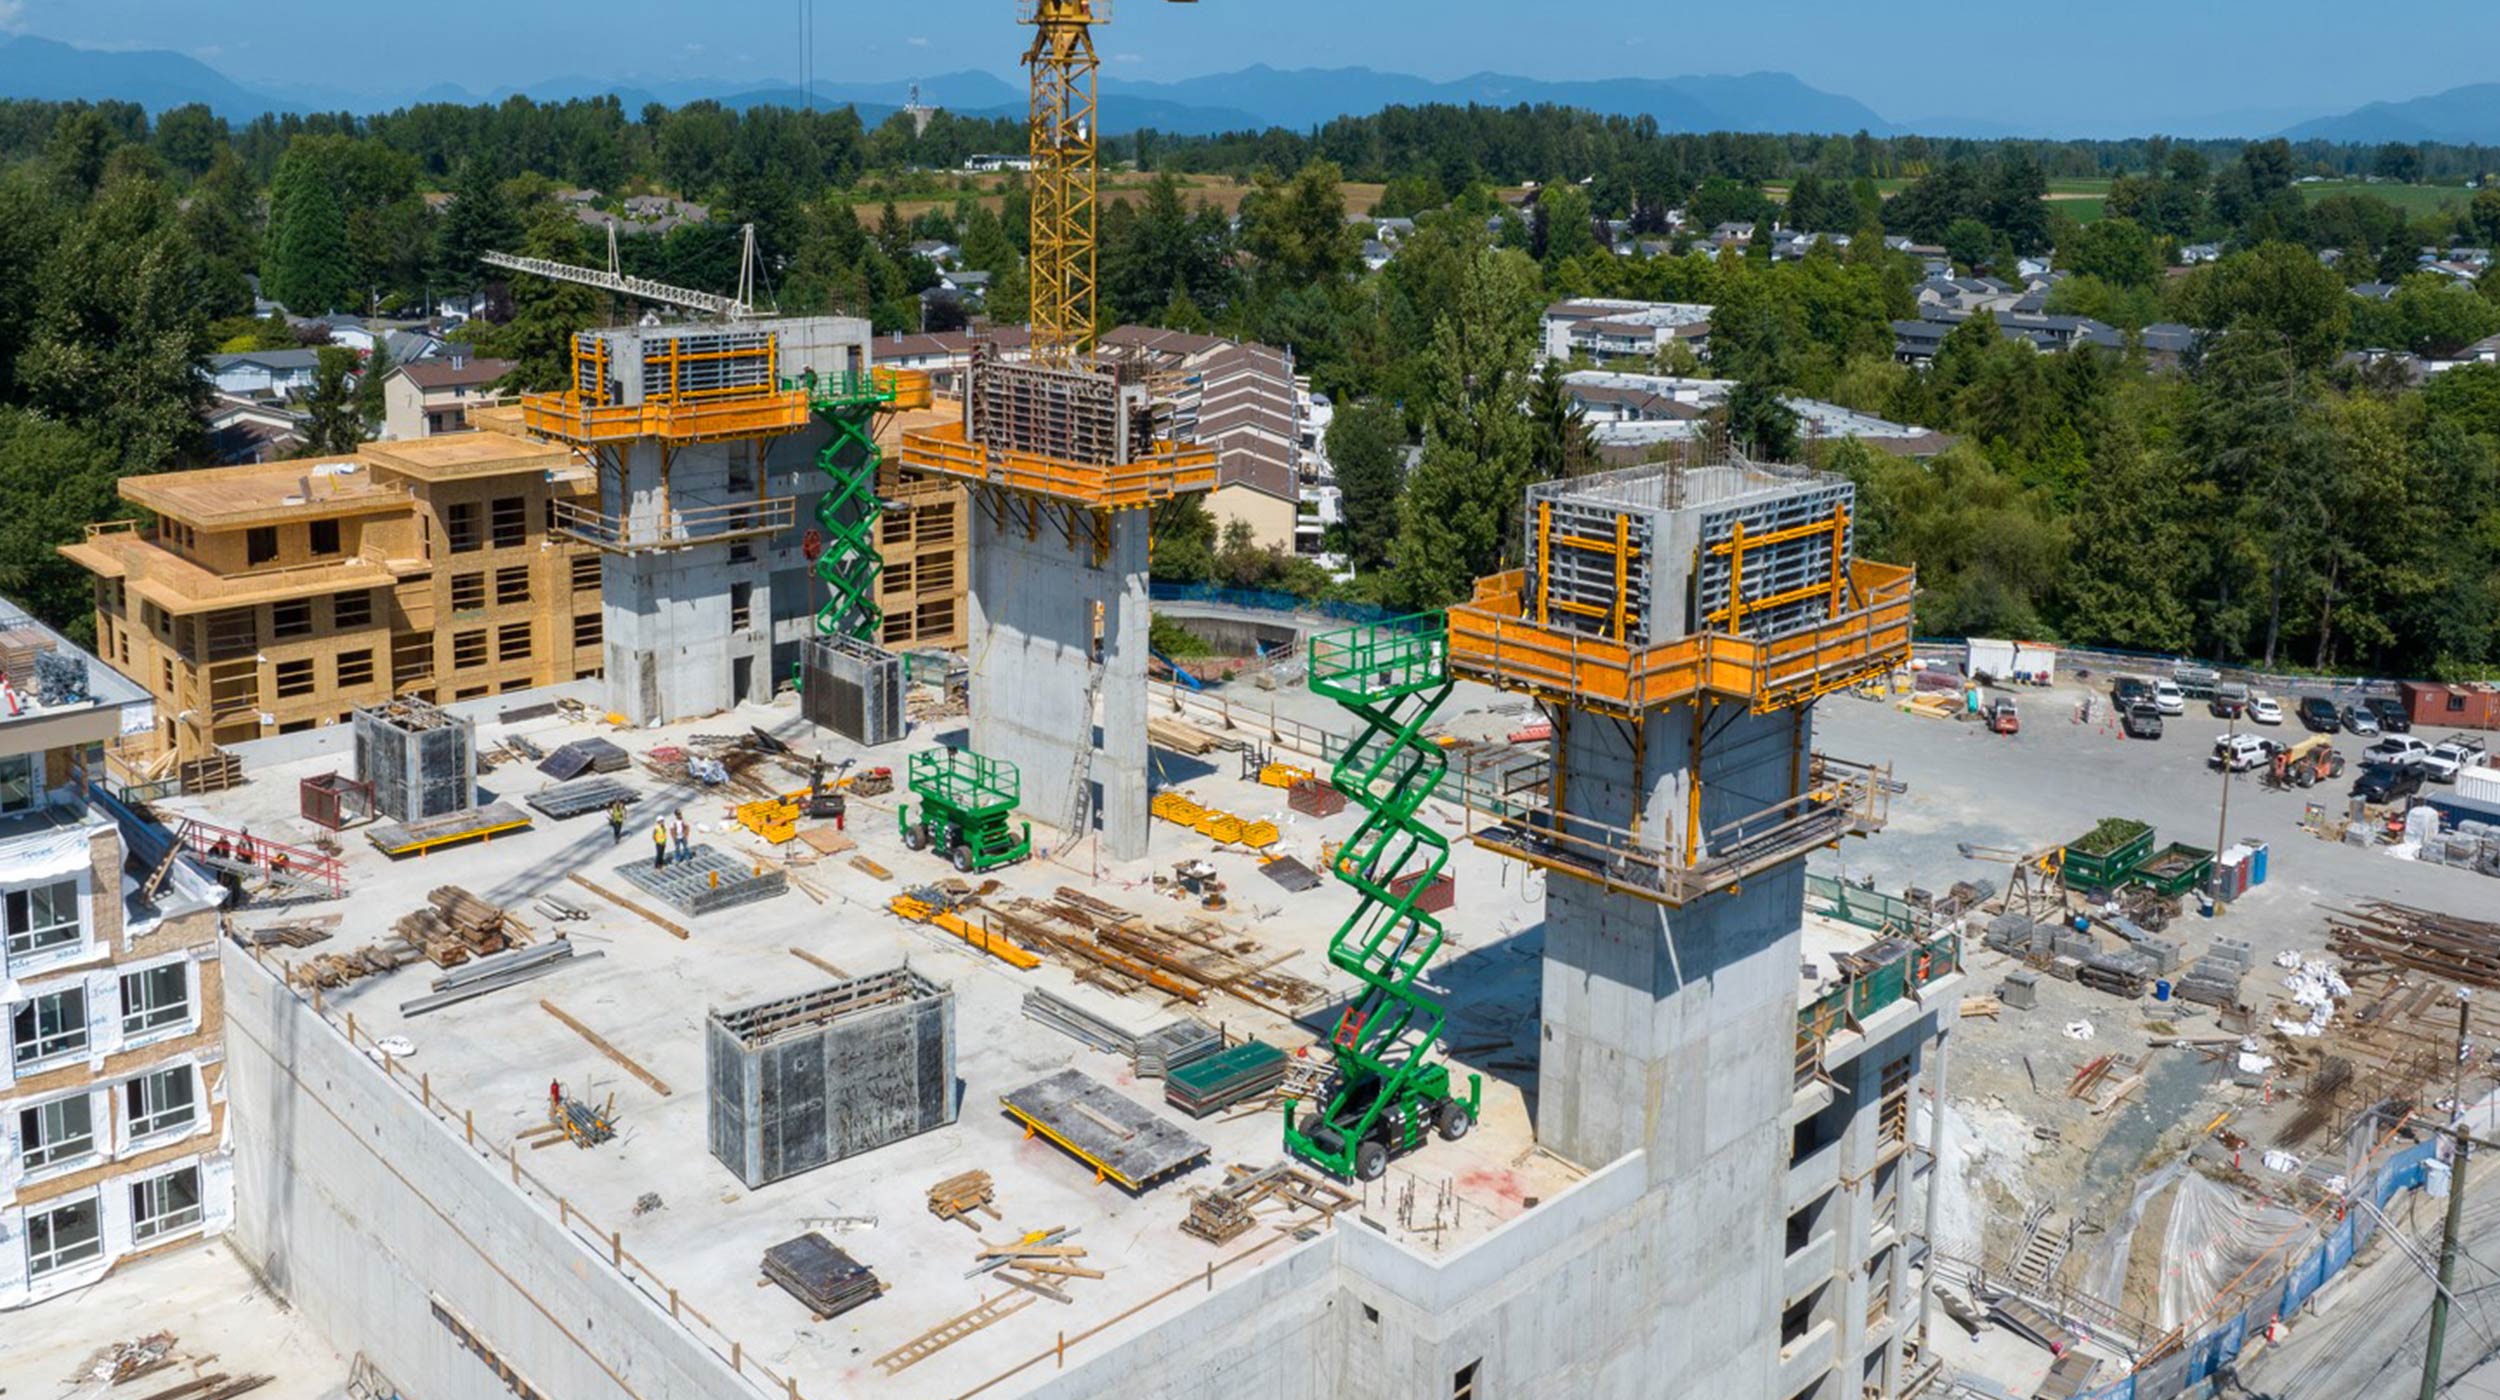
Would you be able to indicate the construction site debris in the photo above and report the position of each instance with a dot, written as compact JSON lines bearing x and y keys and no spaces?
{"x":456,"y":925}
{"x":825,"y":1280}
{"x":1221,"y":1214}
{"x":494,"y":974}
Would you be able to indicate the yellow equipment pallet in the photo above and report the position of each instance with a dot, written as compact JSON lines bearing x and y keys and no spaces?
{"x":1284,"y":775}
{"x":1221,"y":827}
{"x":776,"y":819}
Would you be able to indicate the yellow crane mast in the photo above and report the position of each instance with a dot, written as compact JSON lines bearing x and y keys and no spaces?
{"x":1064,"y":138}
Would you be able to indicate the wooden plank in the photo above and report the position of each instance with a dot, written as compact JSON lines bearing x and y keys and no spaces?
{"x":599,"y":1043}
{"x":628,"y":905}
{"x":819,"y":964}
{"x":951,"y":1331}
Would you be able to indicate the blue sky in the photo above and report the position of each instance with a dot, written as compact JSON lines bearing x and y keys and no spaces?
{"x":2135,"y":63}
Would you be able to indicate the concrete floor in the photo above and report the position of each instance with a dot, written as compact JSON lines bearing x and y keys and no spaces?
{"x":648,"y":996}
{"x":221,"y":1318}
{"x":649,"y":993}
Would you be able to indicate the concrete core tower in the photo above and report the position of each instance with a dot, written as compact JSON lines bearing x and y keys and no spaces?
{"x":1678,"y":623}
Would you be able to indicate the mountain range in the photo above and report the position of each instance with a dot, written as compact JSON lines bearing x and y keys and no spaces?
{"x":1251,"y":99}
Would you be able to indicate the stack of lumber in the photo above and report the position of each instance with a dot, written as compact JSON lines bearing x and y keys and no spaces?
{"x":957,"y":1197}
{"x":824,"y":1279}
{"x":1225,"y":1078}
{"x":456,"y":925}
{"x":1180,"y":736}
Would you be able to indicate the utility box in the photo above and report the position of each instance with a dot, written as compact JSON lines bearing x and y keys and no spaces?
{"x":420,"y":760}
{"x":812,"y":1079}
{"x":853,"y":689}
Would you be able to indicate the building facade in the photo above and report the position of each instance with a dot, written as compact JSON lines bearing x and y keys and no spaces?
{"x":273,"y":598}
{"x":112,"y":1106}
{"x":425,"y":398}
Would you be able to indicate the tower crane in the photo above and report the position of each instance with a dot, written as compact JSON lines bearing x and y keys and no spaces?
{"x":1064,"y":148}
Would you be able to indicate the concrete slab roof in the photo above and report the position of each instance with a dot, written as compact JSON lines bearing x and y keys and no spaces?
{"x":650,"y":992}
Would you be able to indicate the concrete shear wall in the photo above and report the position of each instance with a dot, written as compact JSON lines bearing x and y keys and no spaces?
{"x":328,"y":1162}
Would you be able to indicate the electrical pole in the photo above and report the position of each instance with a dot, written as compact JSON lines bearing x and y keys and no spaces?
{"x":2456,"y":1220}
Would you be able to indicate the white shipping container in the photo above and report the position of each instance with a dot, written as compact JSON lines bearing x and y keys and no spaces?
{"x":1989,"y":658}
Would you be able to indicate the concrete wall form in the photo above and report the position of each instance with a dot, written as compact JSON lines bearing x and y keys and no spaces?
{"x":812,"y":1079}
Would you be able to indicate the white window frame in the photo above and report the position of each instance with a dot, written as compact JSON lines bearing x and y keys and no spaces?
{"x":145,"y":1227}
{"x":62,"y":1046}
{"x":22,"y":943}
{"x":33,"y":799}
{"x":147,"y":1118}
{"x":56,"y":1259}
{"x":140,"y":1020}
{"x":44,"y":1152}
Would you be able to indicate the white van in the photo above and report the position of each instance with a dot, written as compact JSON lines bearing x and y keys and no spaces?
{"x":2168,"y":698}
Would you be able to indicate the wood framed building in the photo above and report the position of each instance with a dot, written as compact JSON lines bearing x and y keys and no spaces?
{"x":282,"y":596}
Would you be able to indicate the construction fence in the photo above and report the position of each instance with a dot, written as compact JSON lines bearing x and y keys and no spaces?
{"x":2186,"y":1367}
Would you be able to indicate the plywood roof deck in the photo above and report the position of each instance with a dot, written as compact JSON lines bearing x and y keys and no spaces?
{"x":227,"y":498}
{"x":456,"y":456}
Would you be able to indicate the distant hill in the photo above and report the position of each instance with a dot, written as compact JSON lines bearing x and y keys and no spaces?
{"x":2464,"y":116}
{"x":155,"y":78}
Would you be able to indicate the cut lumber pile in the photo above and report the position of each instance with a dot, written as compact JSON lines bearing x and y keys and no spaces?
{"x":1180,"y":736}
{"x":456,"y":925}
{"x":824,"y":1279}
{"x":294,"y":933}
{"x":957,"y":1197}
{"x":1040,"y":1263}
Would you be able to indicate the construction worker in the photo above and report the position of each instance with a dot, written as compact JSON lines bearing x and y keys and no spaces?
{"x":678,"y":832}
{"x":659,"y":844}
{"x":616,"y":821}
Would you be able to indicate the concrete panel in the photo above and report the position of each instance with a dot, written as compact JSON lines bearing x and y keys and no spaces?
{"x":1035,"y":598}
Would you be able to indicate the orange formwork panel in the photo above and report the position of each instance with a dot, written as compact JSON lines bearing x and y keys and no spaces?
{"x":1174,"y":469}
{"x":1495,"y":637}
{"x":565,"y":418}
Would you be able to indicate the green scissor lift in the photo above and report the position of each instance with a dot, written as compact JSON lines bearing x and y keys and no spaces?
{"x":965,"y":801}
{"x":1385,"y":1096}
{"x":850,"y":562}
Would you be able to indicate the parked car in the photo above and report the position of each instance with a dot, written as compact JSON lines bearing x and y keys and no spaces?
{"x":2450,"y":757}
{"x":2397,"y":751}
{"x":2359,"y":720}
{"x":2383,"y":783}
{"x":2168,"y":698}
{"x":2230,"y":700}
{"x":2240,"y":752}
{"x":2390,"y":713}
{"x":2128,"y":691}
{"x":2262,"y":709}
{"x":2317,"y":714}
{"x":2141,"y":721}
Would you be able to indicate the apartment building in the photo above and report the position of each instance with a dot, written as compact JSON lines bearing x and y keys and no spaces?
{"x":278,"y":597}
{"x":112,"y":1105}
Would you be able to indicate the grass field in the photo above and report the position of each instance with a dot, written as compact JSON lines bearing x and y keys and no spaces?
{"x":1223,"y":193}
{"x":2413,"y":199}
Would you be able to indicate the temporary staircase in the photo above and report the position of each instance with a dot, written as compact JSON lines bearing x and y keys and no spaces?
{"x":1385,"y":1096}
{"x":848,"y":559}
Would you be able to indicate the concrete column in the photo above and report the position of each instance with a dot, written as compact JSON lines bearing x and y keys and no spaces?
{"x":1034,"y":602}
{"x":1666,"y":1031}
{"x":1935,"y":1183}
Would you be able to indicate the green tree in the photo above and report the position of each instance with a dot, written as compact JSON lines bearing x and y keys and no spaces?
{"x":1969,"y":243}
{"x":2119,"y":252}
{"x":2279,"y":290}
{"x":1454,"y":523}
{"x":1559,"y":444}
{"x":2486,"y":215}
{"x":1297,"y":230}
{"x":333,"y":420}
{"x":1367,"y":449}
{"x":308,"y":265}
{"x":479,"y":221}
{"x":55,"y":480}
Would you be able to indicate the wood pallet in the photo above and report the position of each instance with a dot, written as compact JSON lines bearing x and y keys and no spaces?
{"x":456,"y":925}
{"x":332,"y":970}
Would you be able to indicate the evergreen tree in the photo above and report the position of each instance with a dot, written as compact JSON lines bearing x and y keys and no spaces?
{"x":333,"y":420}
{"x":479,"y":221}
{"x":545,"y":314}
{"x":308,"y":266}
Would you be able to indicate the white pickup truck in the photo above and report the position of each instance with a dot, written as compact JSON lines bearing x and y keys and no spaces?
{"x":2397,"y":751}
{"x":2449,"y":757}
